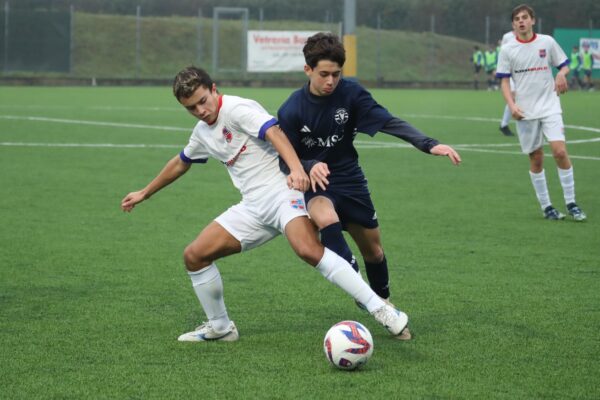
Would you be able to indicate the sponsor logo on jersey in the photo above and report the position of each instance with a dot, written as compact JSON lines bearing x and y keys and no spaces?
{"x":298,"y":204}
{"x":328,"y":141}
{"x":542,"y":53}
{"x":341,"y":116}
{"x":234,"y":159}
{"x":534,"y":69}
{"x":305,"y":129}
{"x":227,"y":135}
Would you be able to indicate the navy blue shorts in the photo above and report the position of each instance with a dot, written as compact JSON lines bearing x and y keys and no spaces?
{"x":352,"y":205}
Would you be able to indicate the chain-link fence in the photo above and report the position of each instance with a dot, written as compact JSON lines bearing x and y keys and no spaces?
{"x":77,"y":44}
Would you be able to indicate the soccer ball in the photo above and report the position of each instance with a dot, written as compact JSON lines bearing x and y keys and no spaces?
{"x":348,"y":345}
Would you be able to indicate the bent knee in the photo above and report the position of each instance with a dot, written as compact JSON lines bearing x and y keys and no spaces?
{"x":310,"y":254}
{"x":560,"y":154}
{"x":194,"y":258}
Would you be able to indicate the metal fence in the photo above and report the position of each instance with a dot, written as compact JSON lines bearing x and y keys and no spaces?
{"x":77,"y":44}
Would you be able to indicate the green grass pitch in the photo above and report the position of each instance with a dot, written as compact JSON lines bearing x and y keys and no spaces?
{"x":503,"y":304}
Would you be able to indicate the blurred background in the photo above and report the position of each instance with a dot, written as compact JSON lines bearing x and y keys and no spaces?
{"x":418,"y":43}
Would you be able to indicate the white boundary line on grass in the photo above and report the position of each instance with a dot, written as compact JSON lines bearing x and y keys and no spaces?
{"x":359,"y":143}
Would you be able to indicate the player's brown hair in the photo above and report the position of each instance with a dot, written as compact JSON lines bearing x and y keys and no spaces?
{"x":522,"y":7}
{"x":324,"y":46}
{"x":188,"y":80}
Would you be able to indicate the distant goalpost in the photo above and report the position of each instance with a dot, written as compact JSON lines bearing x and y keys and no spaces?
{"x":218,"y":13}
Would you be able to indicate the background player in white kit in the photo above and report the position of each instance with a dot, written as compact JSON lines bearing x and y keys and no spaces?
{"x":506,"y":115}
{"x":529,"y":60}
{"x":236,"y":132}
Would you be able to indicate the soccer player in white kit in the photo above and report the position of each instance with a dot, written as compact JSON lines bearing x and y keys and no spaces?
{"x":529,"y":60}
{"x":240,"y":134}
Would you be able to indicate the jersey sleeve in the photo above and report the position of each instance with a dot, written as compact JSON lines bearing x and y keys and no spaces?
{"x":252,"y":119}
{"x":195,"y":151}
{"x":503,"y":67}
{"x":405,"y":131}
{"x":371,"y":117}
{"x":558,"y":57}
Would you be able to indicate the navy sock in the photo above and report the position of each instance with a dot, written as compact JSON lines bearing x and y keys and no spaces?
{"x":379,"y":279}
{"x":332,"y":237}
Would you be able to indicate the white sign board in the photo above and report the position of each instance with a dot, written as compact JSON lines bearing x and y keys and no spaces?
{"x":276,"y":51}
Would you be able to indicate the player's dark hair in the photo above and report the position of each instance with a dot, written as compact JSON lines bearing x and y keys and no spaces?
{"x":324,"y":46}
{"x":188,"y":80}
{"x":522,"y":7}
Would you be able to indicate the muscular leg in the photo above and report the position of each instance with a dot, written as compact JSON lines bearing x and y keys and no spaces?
{"x":369,"y":244}
{"x":538,"y":177}
{"x":322,"y":212}
{"x":212,"y":243}
{"x":565,"y":170}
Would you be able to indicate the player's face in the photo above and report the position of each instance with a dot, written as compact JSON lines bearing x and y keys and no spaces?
{"x":523,"y":24}
{"x":203,"y":104}
{"x":324,"y":77}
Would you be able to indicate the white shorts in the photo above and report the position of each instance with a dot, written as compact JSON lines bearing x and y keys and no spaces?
{"x":532,"y":132}
{"x":257,"y":223}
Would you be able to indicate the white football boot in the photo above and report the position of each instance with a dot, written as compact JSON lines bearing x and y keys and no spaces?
{"x":395,"y":321}
{"x":205,"y":332}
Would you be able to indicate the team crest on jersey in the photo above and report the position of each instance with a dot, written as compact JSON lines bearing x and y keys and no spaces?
{"x":298,"y":204}
{"x":341,"y":116}
{"x":227,"y":135}
{"x":542,"y":53}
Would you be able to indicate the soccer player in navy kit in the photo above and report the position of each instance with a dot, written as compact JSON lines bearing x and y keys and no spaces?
{"x":321,"y":120}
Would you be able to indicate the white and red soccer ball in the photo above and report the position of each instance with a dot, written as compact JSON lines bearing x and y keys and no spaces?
{"x":348,"y":345}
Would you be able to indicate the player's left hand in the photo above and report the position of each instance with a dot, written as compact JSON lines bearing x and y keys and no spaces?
{"x":445,"y":150}
{"x":561,"y":85}
{"x":297,"y":179}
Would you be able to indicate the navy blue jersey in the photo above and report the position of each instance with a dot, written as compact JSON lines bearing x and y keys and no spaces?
{"x":322,"y":128}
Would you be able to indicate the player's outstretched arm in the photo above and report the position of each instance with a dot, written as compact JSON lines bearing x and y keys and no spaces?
{"x":297,"y":178}
{"x":445,"y":150}
{"x":173,"y":170}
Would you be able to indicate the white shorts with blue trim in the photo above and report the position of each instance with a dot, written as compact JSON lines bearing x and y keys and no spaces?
{"x":253,"y":224}
{"x":532,"y":132}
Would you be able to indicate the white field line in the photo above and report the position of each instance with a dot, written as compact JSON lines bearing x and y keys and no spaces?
{"x":95,"y":123}
{"x":359,"y":143}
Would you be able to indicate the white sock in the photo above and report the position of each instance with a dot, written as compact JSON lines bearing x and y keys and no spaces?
{"x":208,"y":287}
{"x":541,"y":188}
{"x":567,"y":181}
{"x":505,"y":117}
{"x":337,"y":271}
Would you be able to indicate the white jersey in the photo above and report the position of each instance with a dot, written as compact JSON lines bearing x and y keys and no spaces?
{"x":237,"y":139}
{"x":507,"y":37}
{"x":530,"y":65}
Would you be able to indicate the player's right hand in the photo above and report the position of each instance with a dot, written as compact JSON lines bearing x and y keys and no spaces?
{"x":131,"y":200}
{"x":517,"y":113}
{"x":318,"y":176}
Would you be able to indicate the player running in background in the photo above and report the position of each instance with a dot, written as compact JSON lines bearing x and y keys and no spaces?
{"x":529,"y":60}
{"x":504,"y":128}
{"x":321,"y":119}
{"x":575,"y":66}
{"x":490,"y":67}
{"x":478,"y":62}
{"x":239,"y":133}
{"x":587,"y":64}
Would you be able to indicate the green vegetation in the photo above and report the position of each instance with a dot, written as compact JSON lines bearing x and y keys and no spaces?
{"x":105,"y":46}
{"x":503,"y":304}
